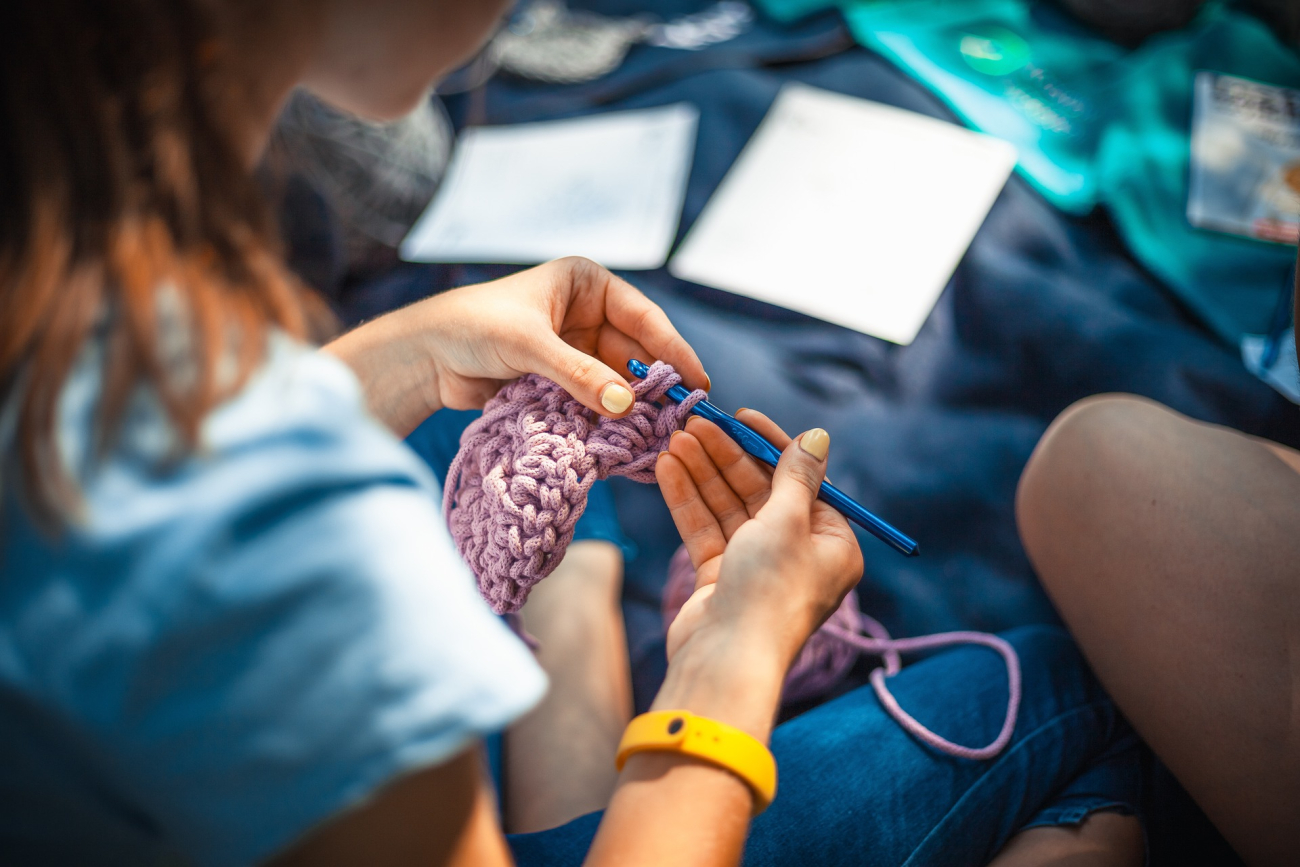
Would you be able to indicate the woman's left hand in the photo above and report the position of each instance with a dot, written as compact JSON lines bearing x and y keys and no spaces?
{"x":569,"y":320}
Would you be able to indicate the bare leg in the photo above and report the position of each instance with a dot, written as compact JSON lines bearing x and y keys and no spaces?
{"x":1172,"y":550}
{"x":559,"y":759}
{"x":1103,"y":840}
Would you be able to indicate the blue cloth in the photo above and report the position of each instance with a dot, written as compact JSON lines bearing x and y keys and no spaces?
{"x":855,"y":789}
{"x":438,"y":439}
{"x":1043,"y":310}
{"x":220,"y":653}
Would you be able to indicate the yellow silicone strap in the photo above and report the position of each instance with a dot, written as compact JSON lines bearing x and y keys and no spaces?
{"x":707,"y":739}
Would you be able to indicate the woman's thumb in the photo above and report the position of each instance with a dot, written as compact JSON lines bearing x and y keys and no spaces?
{"x":800,"y":471}
{"x":587,"y":378}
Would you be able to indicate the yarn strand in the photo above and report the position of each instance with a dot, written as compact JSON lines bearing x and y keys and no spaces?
{"x":878,"y":642}
{"x":832,"y":650}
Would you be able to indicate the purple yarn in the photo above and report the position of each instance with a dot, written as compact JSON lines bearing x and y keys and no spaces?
{"x":831,"y":651}
{"x":520,"y":480}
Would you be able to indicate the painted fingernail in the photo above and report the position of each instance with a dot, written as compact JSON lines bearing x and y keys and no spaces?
{"x":816,"y":442}
{"x":708,"y":382}
{"x":615,"y":398}
{"x":673,"y":434}
{"x":742,"y":409}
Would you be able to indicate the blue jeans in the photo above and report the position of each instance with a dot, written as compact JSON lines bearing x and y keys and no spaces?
{"x":855,"y":789}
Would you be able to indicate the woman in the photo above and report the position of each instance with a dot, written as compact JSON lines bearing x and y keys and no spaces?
{"x":1170,"y":548}
{"x":232,"y":627}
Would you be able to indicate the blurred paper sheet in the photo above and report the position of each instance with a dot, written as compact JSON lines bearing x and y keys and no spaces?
{"x":847,"y":210}
{"x":608,"y":187}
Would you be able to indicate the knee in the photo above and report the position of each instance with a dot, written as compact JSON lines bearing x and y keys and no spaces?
{"x":1073,"y":473}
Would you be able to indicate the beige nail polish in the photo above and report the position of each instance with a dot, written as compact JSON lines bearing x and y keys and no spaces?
{"x":708,"y":382}
{"x":816,"y":442}
{"x":615,"y":398}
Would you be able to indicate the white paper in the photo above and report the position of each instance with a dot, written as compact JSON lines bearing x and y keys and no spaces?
{"x":608,"y":187}
{"x":847,"y":210}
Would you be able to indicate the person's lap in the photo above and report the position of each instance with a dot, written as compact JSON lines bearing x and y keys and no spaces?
{"x":1172,"y":550}
{"x":856,"y":789}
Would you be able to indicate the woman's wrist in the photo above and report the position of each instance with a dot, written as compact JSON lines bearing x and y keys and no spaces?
{"x":727,"y":673}
{"x":391,"y":357}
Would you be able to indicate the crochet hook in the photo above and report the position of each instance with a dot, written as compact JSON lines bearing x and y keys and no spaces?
{"x":754,"y":444}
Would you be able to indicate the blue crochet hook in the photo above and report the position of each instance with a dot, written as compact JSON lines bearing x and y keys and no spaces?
{"x":754,"y":444}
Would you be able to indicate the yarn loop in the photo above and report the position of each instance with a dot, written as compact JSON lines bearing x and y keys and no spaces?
{"x":832,"y":650}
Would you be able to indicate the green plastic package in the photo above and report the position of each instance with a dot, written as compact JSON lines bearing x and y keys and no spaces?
{"x":1231,"y":282}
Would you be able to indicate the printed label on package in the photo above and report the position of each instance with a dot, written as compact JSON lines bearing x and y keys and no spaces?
{"x":1245,"y":169}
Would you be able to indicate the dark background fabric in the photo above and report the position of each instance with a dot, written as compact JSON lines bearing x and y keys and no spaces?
{"x":1043,"y":310}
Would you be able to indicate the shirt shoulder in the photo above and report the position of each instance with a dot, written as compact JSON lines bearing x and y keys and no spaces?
{"x":243,"y":643}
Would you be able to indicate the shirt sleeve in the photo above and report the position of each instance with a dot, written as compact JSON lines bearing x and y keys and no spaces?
{"x":299,"y":632}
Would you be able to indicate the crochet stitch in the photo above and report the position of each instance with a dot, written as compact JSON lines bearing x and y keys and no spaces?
{"x":520,"y":480}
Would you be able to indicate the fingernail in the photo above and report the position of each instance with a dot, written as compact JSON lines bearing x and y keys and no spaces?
{"x":742,"y":409}
{"x":673,"y":434}
{"x":708,"y":382}
{"x":816,"y":442}
{"x":615,"y":398}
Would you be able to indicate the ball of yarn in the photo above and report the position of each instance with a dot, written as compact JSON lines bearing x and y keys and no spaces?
{"x":825,"y":658}
{"x":520,"y":480}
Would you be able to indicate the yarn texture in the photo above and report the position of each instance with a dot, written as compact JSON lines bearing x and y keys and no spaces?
{"x":833,"y":649}
{"x":520,"y":481}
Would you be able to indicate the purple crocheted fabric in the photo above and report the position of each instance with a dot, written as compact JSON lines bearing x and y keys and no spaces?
{"x":520,"y":481}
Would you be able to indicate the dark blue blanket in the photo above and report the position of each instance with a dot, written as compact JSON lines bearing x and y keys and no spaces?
{"x":1044,"y":310}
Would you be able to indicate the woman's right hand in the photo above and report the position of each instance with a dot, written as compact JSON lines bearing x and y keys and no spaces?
{"x":771,"y":559}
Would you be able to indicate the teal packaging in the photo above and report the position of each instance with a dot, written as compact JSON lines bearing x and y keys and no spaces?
{"x":1231,"y":282}
{"x":1095,"y":123}
{"x":1024,"y":73}
{"x":786,"y":11}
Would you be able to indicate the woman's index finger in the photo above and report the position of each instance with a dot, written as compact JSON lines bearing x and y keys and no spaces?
{"x":642,"y":320}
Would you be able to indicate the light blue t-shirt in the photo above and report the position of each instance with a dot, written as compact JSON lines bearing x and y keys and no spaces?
{"x":220,"y":654}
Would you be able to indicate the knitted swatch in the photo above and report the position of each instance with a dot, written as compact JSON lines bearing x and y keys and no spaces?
{"x":832,"y":650}
{"x":520,"y":480}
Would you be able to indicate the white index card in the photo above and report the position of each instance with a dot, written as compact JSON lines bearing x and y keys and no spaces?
{"x":608,"y":187}
{"x":847,"y":210}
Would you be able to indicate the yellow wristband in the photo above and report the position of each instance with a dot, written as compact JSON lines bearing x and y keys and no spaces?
{"x":707,"y":739}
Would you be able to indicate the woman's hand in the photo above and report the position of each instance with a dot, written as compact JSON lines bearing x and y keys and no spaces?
{"x":569,"y":320}
{"x":771,"y":564}
{"x":770,"y":558}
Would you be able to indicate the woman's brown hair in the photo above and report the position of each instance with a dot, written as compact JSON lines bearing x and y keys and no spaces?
{"x":127,"y":212}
